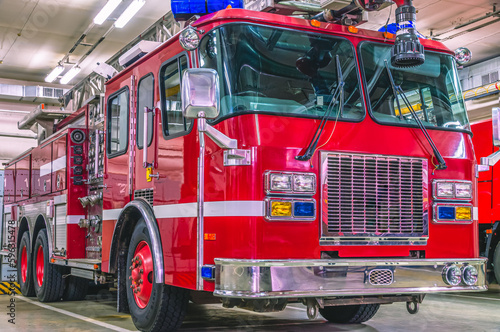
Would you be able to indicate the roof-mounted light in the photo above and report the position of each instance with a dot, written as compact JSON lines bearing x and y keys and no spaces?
{"x":185,"y":9}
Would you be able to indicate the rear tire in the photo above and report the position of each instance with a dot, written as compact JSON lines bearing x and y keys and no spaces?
{"x":496,"y":263}
{"x":349,"y":314}
{"x":76,"y":289}
{"x":47,"y":277}
{"x":153,"y":307}
{"x":24,"y":266}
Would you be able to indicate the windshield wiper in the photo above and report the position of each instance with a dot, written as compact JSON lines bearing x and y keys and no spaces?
{"x":398,"y":91}
{"x":339,"y":91}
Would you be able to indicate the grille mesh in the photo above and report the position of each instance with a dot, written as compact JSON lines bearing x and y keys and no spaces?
{"x":374,"y":196}
{"x":147,"y":194}
{"x":381,"y":277}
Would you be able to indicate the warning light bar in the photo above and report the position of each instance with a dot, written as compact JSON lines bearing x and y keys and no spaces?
{"x":185,"y":9}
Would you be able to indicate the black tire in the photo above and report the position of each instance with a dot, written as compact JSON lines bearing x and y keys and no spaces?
{"x":27,"y":287}
{"x":52,"y":283}
{"x":349,"y":314}
{"x":76,"y":289}
{"x":496,"y":263}
{"x":167,"y":305}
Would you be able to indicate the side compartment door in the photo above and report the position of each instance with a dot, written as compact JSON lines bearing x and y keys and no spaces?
{"x":143,"y":182}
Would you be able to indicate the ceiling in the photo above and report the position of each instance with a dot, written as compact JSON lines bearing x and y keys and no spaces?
{"x":36,"y":34}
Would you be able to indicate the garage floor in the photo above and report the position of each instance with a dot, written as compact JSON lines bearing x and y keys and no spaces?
{"x":468,"y":312}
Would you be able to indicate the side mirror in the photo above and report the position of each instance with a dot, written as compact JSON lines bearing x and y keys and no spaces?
{"x":495,"y":119}
{"x":200,"y":93}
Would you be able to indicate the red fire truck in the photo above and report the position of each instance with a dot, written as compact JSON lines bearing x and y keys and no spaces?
{"x":257,"y":159}
{"x":486,"y":150}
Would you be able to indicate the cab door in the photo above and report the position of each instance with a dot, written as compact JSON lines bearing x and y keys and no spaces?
{"x":145,"y":165}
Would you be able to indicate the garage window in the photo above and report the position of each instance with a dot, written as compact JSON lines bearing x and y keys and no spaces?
{"x":118,"y":114}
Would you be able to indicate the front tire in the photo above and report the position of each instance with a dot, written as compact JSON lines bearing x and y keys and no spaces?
{"x":153,"y":306}
{"x":24,"y":266}
{"x":47,"y":277}
{"x":349,"y":314}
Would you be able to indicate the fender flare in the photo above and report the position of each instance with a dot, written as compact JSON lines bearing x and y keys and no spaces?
{"x":40,"y":223}
{"x":127,"y":220}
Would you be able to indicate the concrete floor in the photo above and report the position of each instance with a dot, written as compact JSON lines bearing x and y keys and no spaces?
{"x":466,"y":312}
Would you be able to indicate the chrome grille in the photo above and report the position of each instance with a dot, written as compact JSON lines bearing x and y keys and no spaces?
{"x":380,"y":277}
{"x":147,"y":194}
{"x":374,"y":196}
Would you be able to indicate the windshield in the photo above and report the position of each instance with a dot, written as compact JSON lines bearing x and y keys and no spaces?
{"x":433,"y":89}
{"x":270,"y":70}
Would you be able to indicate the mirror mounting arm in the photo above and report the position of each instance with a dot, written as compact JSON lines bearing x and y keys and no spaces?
{"x":219,"y":138}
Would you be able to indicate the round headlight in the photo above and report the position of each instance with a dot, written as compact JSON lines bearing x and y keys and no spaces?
{"x":469,"y":275}
{"x":452,"y":275}
{"x":189,"y":39}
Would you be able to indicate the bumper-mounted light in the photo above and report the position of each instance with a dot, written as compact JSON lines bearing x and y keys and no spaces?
{"x":452,"y":275}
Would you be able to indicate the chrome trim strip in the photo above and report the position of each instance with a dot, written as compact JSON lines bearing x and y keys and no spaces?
{"x":239,"y":278}
{"x":201,"y":200}
{"x":356,"y":241}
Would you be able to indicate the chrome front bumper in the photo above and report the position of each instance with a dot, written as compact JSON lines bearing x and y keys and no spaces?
{"x":238,"y":278}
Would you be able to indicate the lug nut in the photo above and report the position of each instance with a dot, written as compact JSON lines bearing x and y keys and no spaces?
{"x":138,"y":289}
{"x":141,"y":271}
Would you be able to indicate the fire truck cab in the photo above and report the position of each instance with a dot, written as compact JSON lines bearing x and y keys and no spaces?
{"x":256,"y":160}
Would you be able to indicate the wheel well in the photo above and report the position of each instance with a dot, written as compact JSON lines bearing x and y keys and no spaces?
{"x":39,"y":225}
{"x":23,"y":227}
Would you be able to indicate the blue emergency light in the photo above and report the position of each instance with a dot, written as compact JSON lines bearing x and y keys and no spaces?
{"x":185,"y":9}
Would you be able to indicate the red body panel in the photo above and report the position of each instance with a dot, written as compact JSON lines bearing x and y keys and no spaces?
{"x":489,"y":181}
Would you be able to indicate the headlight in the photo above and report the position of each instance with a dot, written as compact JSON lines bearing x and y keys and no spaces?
{"x":304,"y":183}
{"x":463,"y":190}
{"x":280,"y":182}
{"x":290,"y":183}
{"x":452,"y":189}
{"x":444,"y":190}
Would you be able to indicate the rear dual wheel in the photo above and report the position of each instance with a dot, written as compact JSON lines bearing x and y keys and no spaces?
{"x":48,"y":278}
{"x":24,"y":266}
{"x":153,"y":306}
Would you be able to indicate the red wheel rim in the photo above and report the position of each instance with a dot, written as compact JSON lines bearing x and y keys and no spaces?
{"x":24,"y":264}
{"x":142,"y":274}
{"x":39,"y":266}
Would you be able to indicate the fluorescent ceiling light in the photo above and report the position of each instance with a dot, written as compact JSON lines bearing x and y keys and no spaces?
{"x":106,"y":11}
{"x":70,"y":75}
{"x":53,"y":75}
{"x":127,"y":15}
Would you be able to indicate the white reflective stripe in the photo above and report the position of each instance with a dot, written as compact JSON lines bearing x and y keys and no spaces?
{"x":187,"y":210}
{"x":111,"y":214}
{"x":45,"y":169}
{"x":56,"y":165}
{"x":475,"y":213}
{"x":234,"y":209}
{"x":212,"y":209}
{"x":74,"y":219}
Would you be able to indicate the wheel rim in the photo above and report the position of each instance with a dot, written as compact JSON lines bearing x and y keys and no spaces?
{"x":24,"y":264}
{"x":142,"y":274}
{"x":39,"y":266}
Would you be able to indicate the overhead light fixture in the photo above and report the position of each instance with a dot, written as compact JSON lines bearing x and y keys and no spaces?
{"x":70,"y":75}
{"x":54,"y":73}
{"x":127,"y":15}
{"x":106,"y":11}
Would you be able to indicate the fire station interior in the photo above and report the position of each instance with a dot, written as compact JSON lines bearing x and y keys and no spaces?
{"x":302,"y":68}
